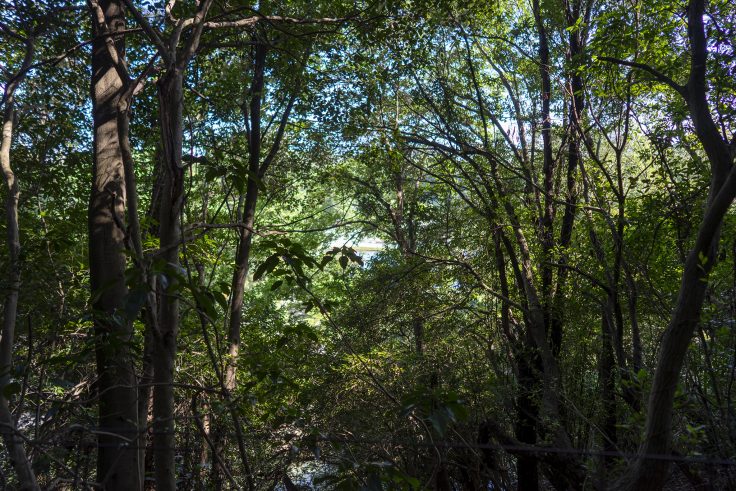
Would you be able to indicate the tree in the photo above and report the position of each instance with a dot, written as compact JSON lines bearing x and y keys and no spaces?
{"x":117,"y":459}
{"x":394,"y":245}
{"x":11,"y":438}
{"x":646,"y":474}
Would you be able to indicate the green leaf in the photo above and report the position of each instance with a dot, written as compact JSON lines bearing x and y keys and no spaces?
{"x":11,"y":389}
{"x":354,"y":257}
{"x":326,"y":260}
{"x":267,"y":266}
{"x":221,"y":299}
{"x":702,"y":258}
{"x":205,"y":302}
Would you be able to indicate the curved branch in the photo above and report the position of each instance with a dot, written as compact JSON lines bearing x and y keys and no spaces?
{"x":681,"y":89}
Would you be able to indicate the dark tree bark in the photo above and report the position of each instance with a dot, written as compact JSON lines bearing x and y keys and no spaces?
{"x":546,"y":220}
{"x":577,"y":39}
{"x":650,"y":474}
{"x":170,"y":198}
{"x":117,"y":462}
{"x":170,"y":89}
{"x":258,"y":165}
{"x":170,"y":201}
{"x":249,"y":212}
{"x":527,"y":414}
{"x":607,"y":381}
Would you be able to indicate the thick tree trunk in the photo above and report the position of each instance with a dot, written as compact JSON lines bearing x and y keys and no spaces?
{"x":548,"y":381}
{"x":527,"y":411}
{"x":144,"y":282}
{"x":117,"y":462}
{"x":169,"y":198}
{"x":527,"y":414}
{"x":164,"y":349}
{"x":13,"y":443}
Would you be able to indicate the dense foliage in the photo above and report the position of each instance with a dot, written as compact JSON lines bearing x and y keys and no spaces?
{"x":391,"y":245}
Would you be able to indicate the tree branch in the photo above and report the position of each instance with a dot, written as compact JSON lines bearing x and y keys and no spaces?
{"x":681,"y":89}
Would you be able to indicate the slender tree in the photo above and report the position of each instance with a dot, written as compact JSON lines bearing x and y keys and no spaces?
{"x":646,"y":473}
{"x":10,"y":433}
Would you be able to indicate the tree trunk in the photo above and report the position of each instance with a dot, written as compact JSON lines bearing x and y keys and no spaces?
{"x":249,"y":212}
{"x":607,"y":382}
{"x":527,"y":413}
{"x":238,"y":284}
{"x":164,"y":349}
{"x":13,"y":443}
{"x":145,"y":379}
{"x":117,"y":457}
{"x":576,"y":41}
{"x":546,"y":220}
{"x":651,"y":474}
